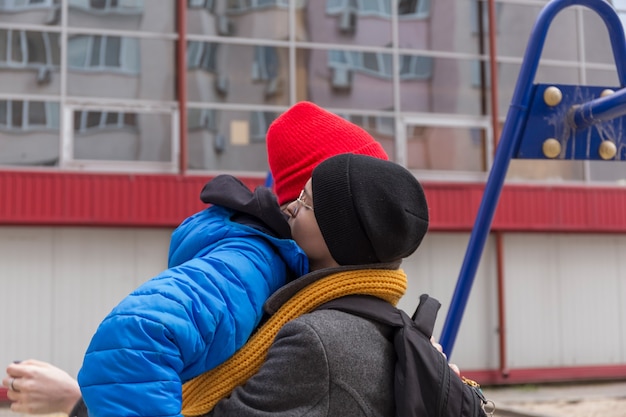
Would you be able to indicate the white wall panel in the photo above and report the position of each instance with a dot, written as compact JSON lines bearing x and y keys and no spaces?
{"x":590,"y":301}
{"x":532,"y":293}
{"x":434,"y":269}
{"x":564,"y":298}
{"x":58,"y":284}
{"x":564,"y":293}
{"x":26,"y":284}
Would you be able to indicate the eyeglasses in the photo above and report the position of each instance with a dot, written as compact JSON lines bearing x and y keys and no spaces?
{"x":301,"y":201}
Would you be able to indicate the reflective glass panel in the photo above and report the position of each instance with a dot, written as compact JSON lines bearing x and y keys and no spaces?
{"x":257,"y":19}
{"x":550,"y":170}
{"x":597,"y":45}
{"x":221,"y":140}
{"x":32,"y":12}
{"x":120,"y":67}
{"x":122,"y":136}
{"x":349,"y":22}
{"x":516,"y":22}
{"x":446,"y":148}
{"x":29,"y":132}
{"x":603,"y":78}
{"x":508,"y":74}
{"x":442,"y":85}
{"x":348,"y":78}
{"x":250,"y":74}
{"x":127,"y":15}
{"x":29,"y":62}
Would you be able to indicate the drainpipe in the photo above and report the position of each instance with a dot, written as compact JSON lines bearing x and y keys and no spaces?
{"x":493,"y":66}
{"x":181,"y":81}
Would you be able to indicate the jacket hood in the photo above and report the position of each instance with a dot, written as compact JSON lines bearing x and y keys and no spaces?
{"x":228,"y":191}
{"x":240,"y":214}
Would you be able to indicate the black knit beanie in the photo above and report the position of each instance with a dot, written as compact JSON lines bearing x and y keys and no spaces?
{"x":368,"y":210}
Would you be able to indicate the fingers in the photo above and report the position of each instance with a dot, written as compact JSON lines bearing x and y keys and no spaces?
{"x":437,"y":346}
{"x":455,"y":369}
{"x":5,"y":381}
{"x":24,"y":369}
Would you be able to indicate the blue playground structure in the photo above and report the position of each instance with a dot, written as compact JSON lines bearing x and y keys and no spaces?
{"x":547,"y":121}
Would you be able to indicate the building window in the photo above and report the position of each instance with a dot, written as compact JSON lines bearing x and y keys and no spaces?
{"x":201,"y":4}
{"x":202,"y":119}
{"x":415,"y":67}
{"x":29,"y":49}
{"x":21,"y":5}
{"x":103,"y":53}
{"x":109,"y":6}
{"x":201,"y":55}
{"x":412,"y":67}
{"x":414,"y":8}
{"x":265,"y":65}
{"x":378,"y":124}
{"x":28,"y":115}
{"x":260,"y":121}
{"x":248,"y":5}
{"x":93,"y":121}
{"x":382,"y":8}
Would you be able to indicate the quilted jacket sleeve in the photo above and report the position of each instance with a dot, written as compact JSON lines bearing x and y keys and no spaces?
{"x":174,"y":327}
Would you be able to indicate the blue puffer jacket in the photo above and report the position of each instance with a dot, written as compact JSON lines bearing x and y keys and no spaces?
{"x":193,"y":316}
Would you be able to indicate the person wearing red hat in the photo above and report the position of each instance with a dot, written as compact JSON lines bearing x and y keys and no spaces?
{"x":297,"y":141}
{"x":305,"y":135}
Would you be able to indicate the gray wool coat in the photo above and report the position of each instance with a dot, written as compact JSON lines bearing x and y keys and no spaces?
{"x":325,"y":363}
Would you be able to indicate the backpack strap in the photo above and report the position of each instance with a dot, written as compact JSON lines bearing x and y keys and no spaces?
{"x":368,"y":307}
{"x":374,"y":308}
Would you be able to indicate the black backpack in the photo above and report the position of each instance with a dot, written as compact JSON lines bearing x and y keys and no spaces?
{"x":425,"y":386}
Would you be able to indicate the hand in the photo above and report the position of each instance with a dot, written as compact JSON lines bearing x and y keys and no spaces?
{"x":454,"y":368}
{"x":40,"y":388}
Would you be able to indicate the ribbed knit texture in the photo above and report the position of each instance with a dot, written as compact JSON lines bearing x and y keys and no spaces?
{"x":202,"y":393}
{"x":304,"y":136}
{"x":368,"y":210}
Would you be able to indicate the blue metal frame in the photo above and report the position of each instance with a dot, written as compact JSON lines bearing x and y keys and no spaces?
{"x":510,"y":138}
{"x":580,"y":122}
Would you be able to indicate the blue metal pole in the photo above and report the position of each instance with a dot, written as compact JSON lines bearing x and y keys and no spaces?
{"x":598,"y":110}
{"x":510,"y":138}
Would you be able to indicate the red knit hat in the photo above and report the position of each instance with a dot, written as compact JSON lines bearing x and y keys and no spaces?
{"x":304,"y":136}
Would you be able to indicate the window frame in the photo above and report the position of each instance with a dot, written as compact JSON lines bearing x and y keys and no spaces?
{"x":123,"y":67}
{"x":137,"y":9}
{"x":26,"y":126}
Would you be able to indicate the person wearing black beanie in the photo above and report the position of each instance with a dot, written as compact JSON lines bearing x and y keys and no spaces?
{"x":368,"y":210}
{"x":365,"y":211}
{"x":356,"y":219}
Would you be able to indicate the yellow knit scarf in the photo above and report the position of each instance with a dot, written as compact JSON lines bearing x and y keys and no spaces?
{"x":202,"y":393}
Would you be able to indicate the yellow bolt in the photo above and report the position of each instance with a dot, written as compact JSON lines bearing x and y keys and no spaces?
{"x":552,"y":96}
{"x":551,"y":148}
{"x":606,"y":92}
{"x":607,"y":150}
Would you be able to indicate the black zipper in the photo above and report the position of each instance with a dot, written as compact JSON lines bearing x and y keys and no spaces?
{"x":445,"y":388}
{"x":478,"y":393}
